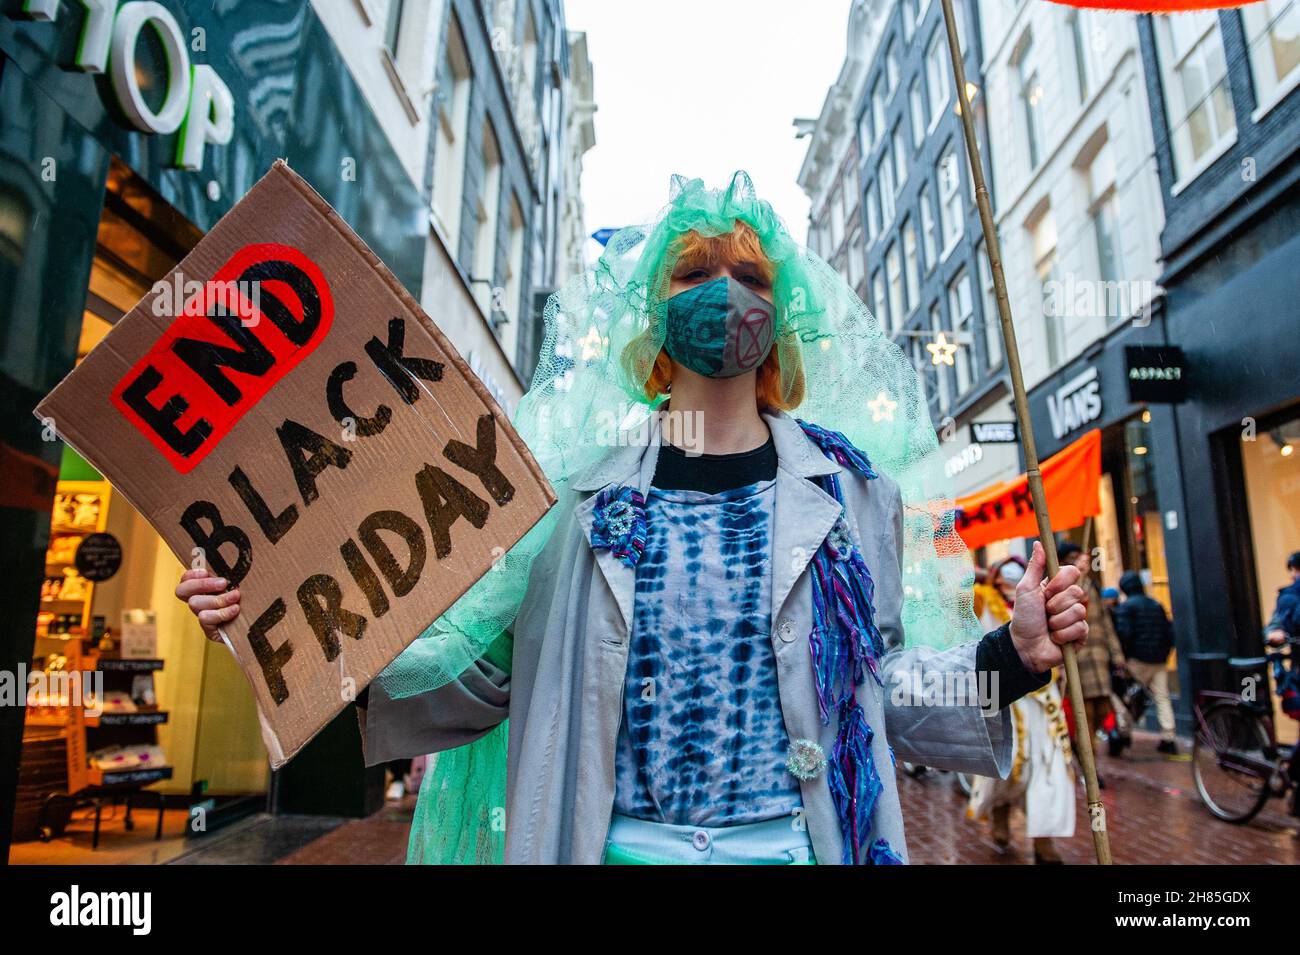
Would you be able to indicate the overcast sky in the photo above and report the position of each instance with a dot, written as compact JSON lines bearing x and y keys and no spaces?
{"x":702,"y":88}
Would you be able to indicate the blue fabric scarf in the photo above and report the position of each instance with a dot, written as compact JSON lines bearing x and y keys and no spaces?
{"x":846,"y":645}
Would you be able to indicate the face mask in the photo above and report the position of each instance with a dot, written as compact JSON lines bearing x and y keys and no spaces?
{"x":718,"y":329}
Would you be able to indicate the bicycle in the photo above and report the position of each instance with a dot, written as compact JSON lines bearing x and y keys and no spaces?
{"x":1237,"y":764}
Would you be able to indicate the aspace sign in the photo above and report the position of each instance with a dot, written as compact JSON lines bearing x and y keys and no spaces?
{"x":196,"y":105}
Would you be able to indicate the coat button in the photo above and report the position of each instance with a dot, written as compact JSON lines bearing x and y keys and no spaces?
{"x":785,"y":630}
{"x":700,"y":840}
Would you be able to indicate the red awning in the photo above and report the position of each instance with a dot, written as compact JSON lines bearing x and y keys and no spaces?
{"x":1154,"y":6}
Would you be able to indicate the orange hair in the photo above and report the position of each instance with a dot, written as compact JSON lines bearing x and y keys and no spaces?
{"x":740,"y":246}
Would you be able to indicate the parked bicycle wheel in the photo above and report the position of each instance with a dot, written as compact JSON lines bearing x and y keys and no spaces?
{"x":1230,"y":762}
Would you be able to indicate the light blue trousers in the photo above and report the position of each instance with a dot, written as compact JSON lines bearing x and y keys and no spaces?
{"x":781,"y":841}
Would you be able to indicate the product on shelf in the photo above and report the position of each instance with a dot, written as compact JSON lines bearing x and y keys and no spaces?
{"x":76,"y":509}
{"x":115,"y":701}
{"x":73,"y":586}
{"x":136,"y":756}
{"x":62,"y":549}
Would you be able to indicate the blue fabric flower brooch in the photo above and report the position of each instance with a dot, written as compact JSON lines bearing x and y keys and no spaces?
{"x":618,"y":523}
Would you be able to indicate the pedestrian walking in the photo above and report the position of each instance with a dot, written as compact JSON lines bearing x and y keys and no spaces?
{"x":1147,"y":636}
{"x":1283,"y":628}
{"x":1102,"y":656}
{"x":1041,"y":781}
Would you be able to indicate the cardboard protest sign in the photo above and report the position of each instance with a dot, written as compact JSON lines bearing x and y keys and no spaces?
{"x":293,"y":421}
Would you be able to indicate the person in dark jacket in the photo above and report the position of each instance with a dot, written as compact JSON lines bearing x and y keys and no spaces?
{"x":1284,"y":626}
{"x":1285,"y":621}
{"x":1147,"y":637}
{"x":1102,"y":654}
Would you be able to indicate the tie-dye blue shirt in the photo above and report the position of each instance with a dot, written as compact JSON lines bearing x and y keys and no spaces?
{"x":703,"y":741}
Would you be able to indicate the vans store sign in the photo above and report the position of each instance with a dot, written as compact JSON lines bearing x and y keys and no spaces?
{"x":1075,"y":403}
{"x":196,"y":104}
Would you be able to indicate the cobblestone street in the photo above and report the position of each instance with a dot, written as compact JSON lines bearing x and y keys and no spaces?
{"x":1153,"y":812}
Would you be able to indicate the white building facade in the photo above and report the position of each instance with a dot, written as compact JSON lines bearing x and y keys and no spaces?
{"x":1075,"y":187}
{"x":489,"y":115}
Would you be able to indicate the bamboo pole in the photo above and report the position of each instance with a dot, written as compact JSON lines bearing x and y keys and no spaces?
{"x":1096,"y":811}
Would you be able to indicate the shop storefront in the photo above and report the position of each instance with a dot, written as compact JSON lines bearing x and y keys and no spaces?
{"x":1140,"y":519}
{"x":107,"y":179}
{"x":1233,"y":309}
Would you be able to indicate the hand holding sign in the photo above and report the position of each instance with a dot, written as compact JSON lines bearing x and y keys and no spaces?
{"x":210,"y":598}
{"x":305,"y":437}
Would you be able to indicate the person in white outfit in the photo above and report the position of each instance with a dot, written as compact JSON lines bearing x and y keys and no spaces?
{"x":1041,"y":780}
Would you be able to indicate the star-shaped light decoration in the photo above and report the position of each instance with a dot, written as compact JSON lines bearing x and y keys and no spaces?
{"x":591,"y":344}
{"x":882,"y":407}
{"x":941,"y":350}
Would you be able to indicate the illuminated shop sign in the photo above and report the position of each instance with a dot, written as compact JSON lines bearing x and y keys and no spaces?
{"x":993,"y":432}
{"x":1156,"y":373}
{"x":197,"y":104}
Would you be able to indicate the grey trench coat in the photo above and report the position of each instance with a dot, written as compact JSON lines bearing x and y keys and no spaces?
{"x":564,"y":696}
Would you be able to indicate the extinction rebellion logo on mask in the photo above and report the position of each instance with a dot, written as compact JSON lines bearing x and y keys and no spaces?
{"x":753,"y":338}
{"x":74,"y":908}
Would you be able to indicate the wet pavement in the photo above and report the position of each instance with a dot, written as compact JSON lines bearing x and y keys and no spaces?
{"x":1153,"y":813}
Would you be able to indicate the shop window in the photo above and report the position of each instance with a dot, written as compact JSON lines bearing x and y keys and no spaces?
{"x":1145,"y":518}
{"x":176,"y":711}
{"x":1194,"y":75}
{"x":1271,"y":469}
{"x":1273,"y":38}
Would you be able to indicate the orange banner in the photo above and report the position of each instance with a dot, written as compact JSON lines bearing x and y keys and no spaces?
{"x":1004,"y":510}
{"x":1155,"y":6}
